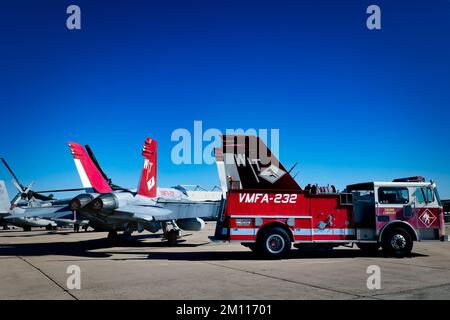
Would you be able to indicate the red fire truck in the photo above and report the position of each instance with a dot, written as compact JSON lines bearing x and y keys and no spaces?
{"x":267,"y":211}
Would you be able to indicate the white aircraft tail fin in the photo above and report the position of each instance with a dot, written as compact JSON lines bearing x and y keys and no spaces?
{"x":4,"y":198}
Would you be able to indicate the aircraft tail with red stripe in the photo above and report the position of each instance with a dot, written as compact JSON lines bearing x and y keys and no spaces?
{"x":148,"y":182}
{"x":91,"y":177}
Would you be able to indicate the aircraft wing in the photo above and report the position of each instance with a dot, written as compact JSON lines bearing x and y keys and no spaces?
{"x":139,"y":213}
{"x":64,"y":221}
{"x":169,"y":210}
{"x":45,"y":212}
{"x":59,"y":214}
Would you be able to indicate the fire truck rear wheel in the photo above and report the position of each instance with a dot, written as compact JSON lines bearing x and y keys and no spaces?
{"x":397,"y":242}
{"x":274,"y":243}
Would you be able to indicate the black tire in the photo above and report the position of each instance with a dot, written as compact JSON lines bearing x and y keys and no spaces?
{"x":368,"y":247}
{"x":26,"y":228}
{"x":172,"y":237}
{"x":397,"y":242}
{"x":113,"y":236}
{"x":274,"y":243}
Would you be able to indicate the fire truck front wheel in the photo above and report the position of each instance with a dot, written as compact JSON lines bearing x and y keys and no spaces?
{"x":274,"y":243}
{"x":397,"y":242}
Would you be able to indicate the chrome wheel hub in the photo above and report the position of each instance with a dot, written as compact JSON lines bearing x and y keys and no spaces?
{"x":275,"y":243}
{"x":398,"y":242}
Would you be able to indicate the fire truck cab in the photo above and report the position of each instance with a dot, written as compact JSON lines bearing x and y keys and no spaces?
{"x":394,"y":214}
{"x":267,"y":211}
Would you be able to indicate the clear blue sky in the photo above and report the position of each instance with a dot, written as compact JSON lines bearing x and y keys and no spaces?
{"x":351,"y":104}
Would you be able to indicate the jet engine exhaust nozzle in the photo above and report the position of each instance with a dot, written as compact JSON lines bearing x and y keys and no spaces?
{"x":80,"y":201}
{"x":107,"y":201}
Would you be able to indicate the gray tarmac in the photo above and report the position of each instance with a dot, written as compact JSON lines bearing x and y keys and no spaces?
{"x":33,"y":265}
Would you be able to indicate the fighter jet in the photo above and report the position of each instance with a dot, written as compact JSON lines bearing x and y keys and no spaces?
{"x":150,"y":207}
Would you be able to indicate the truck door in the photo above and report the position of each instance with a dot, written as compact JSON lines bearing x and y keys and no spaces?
{"x":426,"y":213}
{"x":392,"y":203}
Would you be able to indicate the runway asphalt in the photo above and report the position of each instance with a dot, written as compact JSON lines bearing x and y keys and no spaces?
{"x":34,"y":266}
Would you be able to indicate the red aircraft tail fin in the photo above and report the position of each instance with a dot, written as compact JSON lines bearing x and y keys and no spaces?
{"x":245,"y":162}
{"x":148,"y":181}
{"x":90,"y":176}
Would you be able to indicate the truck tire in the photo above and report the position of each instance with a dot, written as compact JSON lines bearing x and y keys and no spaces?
{"x":368,"y":247}
{"x":397,"y":242}
{"x":274,"y":243}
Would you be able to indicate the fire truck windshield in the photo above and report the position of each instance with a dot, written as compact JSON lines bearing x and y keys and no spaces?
{"x":424,"y":195}
{"x":438,"y":198}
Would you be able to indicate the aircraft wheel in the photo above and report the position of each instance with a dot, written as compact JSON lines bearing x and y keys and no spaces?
{"x":172,"y":237}
{"x":126,"y":235}
{"x":112,"y":235}
{"x":26,"y":228}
